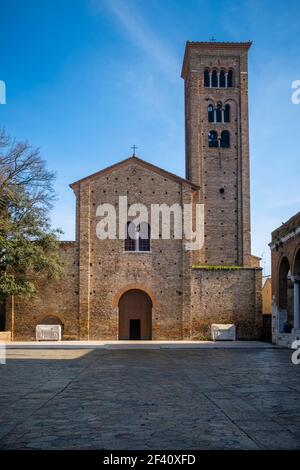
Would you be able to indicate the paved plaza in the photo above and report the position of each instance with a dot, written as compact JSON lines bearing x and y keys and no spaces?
{"x":149,"y":399}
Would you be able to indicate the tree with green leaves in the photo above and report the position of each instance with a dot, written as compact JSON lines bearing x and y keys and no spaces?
{"x":28,"y":244}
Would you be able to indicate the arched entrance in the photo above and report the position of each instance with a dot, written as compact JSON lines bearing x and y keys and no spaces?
{"x":296,"y":269}
{"x":296,"y":279}
{"x":286,"y":290}
{"x":135,"y":315}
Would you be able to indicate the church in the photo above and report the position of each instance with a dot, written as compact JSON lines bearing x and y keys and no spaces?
{"x":126,"y":288}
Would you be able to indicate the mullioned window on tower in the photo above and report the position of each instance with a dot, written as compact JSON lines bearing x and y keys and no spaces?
{"x":215,"y":141}
{"x":218,"y":113}
{"x":218,"y":78}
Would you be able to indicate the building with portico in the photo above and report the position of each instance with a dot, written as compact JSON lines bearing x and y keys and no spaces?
{"x":285,"y":249}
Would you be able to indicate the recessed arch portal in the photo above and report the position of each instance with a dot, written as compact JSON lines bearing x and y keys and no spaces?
{"x":50,"y":320}
{"x":135,"y":315}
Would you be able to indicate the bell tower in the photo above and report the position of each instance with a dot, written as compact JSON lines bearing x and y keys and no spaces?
{"x":217,"y":146}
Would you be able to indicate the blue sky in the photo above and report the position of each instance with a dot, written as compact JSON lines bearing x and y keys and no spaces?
{"x":88,"y":78}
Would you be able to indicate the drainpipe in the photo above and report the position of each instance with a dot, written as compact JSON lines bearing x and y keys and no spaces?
{"x":12,"y":316}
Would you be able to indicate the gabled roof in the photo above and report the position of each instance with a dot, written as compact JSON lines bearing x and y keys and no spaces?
{"x":140,"y":162}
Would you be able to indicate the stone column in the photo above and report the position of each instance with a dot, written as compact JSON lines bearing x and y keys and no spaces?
{"x":226,"y":80}
{"x":218,"y":79}
{"x":210,"y":79}
{"x":296,"y":281}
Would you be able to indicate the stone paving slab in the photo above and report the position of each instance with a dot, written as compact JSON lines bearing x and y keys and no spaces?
{"x":246,"y":398}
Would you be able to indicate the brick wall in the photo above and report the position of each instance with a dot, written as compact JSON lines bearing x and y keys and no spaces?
{"x":226,"y":296}
{"x":59,"y":299}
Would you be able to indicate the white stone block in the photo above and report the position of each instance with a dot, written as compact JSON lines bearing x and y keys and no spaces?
{"x":48,"y":332}
{"x":223,"y":332}
{"x":2,"y":353}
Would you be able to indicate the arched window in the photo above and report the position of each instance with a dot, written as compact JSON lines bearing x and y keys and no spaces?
{"x":210,"y":113}
{"x":130,"y":237}
{"x":214,"y":79}
{"x":219,"y":112}
{"x":230,"y":79}
{"x":227,"y":113}
{"x":206,"y":78}
{"x":144,"y":237}
{"x":222,"y":79}
{"x":213,"y":139}
{"x":137,"y":238}
{"x":225,"y":139}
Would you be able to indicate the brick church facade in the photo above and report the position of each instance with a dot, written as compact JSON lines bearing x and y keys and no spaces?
{"x":159,"y":290}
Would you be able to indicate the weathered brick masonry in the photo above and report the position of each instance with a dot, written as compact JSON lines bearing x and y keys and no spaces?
{"x":106,"y":271}
{"x":226,"y":296}
{"x":55,"y":299}
{"x":185,"y":299}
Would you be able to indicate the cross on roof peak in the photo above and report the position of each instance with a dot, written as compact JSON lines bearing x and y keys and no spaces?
{"x":134,"y":148}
